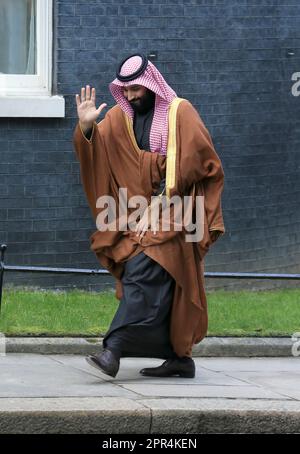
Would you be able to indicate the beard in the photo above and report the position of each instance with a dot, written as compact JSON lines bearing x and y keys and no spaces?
{"x":144,"y":103}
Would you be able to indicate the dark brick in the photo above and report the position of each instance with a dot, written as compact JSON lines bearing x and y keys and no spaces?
{"x":69,"y":43}
{"x":3,"y":213}
{"x":67,"y":8}
{"x":19,"y":226}
{"x":68,"y":21}
{"x":111,"y":10}
{"x":88,"y":21}
{"x":66,"y":55}
{"x":16,"y":214}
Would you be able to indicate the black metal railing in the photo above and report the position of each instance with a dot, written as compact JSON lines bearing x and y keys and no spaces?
{"x":45,"y":269}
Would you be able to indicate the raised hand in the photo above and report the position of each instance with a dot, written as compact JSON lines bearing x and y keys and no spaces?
{"x":86,"y":107}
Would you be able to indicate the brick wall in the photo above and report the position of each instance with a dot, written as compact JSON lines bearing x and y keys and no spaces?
{"x":232,"y":60}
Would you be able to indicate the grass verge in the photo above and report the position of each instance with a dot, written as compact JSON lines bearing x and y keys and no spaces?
{"x":80,"y":313}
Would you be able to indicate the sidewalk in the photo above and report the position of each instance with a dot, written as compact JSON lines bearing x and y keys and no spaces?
{"x":63,"y":394}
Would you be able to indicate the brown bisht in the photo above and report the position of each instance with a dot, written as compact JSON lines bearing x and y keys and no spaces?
{"x":111,"y":160}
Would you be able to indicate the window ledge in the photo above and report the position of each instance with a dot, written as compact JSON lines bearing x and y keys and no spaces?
{"x":32,"y":106}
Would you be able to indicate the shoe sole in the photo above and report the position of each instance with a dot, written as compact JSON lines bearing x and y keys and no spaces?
{"x":96,"y":366}
{"x":180,"y":375}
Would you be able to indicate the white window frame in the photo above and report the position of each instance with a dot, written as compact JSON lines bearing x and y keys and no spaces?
{"x":29,"y":95}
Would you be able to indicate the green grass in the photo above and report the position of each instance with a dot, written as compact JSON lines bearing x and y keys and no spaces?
{"x":79,"y":313}
{"x":246,"y":313}
{"x":50,"y":313}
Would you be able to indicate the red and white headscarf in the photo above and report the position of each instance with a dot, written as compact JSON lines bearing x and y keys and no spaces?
{"x":152,"y":79}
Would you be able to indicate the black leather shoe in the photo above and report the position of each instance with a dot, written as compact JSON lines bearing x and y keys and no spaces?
{"x":182,"y":367}
{"x":106,"y":362}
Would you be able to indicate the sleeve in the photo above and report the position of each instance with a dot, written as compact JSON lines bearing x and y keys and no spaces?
{"x":89,"y":152}
{"x":89,"y":133}
{"x":199,"y":162}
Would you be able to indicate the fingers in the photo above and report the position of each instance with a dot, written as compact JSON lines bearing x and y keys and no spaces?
{"x":93,"y":96}
{"x":77,"y":100}
{"x":154,"y":227}
{"x":141,"y":228}
{"x":88,"y":93}
{"x":141,"y":231}
{"x":142,"y":225}
{"x":101,"y":107}
{"x":85,"y":93}
{"x":82,"y":94}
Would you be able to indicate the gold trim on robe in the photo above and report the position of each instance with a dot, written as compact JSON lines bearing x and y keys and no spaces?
{"x":172,"y":147}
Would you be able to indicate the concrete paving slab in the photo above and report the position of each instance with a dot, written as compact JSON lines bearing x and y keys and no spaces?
{"x":273,"y":381}
{"x":251,"y":364}
{"x":40,"y":376}
{"x":130,"y":367}
{"x":193,"y":390}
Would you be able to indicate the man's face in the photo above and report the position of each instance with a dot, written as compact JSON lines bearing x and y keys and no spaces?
{"x":140,"y":98}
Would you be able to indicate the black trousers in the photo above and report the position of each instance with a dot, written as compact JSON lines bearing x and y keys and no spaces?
{"x":141,"y":324}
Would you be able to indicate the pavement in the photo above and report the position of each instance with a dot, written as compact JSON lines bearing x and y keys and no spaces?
{"x":61,"y":393}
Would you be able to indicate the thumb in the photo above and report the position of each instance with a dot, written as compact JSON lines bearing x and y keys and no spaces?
{"x":101,"y":107}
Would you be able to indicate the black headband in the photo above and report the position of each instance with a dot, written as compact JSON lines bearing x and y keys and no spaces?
{"x":137,"y":73}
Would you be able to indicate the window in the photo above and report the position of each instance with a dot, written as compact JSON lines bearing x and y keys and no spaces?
{"x":26,"y":59}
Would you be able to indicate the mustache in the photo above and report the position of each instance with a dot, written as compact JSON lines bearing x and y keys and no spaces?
{"x":143,"y":103}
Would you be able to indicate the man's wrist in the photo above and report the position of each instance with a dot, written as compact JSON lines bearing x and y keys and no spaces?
{"x":86,"y":127}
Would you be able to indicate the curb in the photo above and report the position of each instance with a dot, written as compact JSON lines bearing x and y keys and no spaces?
{"x":209,"y":347}
{"x":157,"y":416}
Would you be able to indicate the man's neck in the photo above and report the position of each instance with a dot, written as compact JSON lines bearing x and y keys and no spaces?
{"x":144,"y":114}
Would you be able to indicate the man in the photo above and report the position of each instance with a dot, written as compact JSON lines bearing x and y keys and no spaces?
{"x":150,"y":143}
